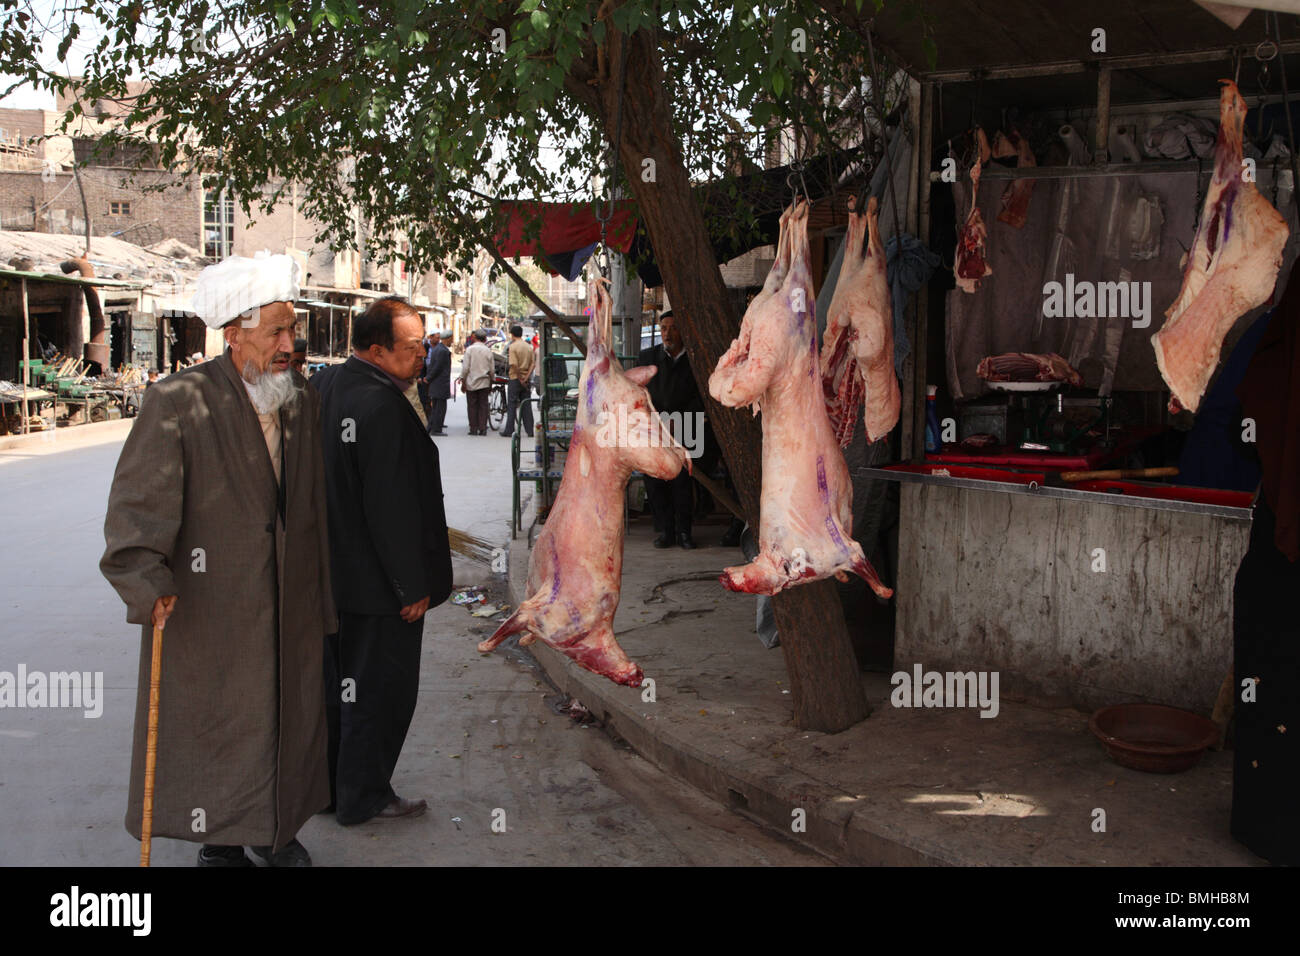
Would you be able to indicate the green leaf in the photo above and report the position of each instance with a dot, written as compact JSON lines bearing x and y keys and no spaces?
{"x":931,"y":51}
{"x":778,"y":82}
{"x":540,"y":20}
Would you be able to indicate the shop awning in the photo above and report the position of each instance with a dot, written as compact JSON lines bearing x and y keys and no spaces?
{"x":563,"y":236}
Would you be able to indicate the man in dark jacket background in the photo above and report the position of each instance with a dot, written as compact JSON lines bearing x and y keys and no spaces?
{"x":673,"y":389}
{"x":437,"y":378}
{"x":390,"y":556}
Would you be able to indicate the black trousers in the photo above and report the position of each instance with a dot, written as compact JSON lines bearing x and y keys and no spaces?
{"x":518,"y":392}
{"x":477,"y":401}
{"x":1266,"y":645}
{"x":367,"y":720}
{"x":672,"y":503}
{"x":437,"y":413}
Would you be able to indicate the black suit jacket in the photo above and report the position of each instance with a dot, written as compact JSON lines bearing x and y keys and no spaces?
{"x":437,"y":371}
{"x":673,"y":389}
{"x":388,"y":529}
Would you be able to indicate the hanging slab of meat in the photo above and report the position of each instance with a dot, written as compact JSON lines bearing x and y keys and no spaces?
{"x":806,"y":504}
{"x":576,"y":571}
{"x":1231,"y":268}
{"x":857,"y":362}
{"x":1015,"y":198}
{"x":1028,"y":367}
{"x":970,"y":266}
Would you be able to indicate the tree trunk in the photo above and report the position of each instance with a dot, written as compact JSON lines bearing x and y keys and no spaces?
{"x":824,"y":680}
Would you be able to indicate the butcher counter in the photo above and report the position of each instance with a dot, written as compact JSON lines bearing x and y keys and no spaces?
{"x":1081,"y":596}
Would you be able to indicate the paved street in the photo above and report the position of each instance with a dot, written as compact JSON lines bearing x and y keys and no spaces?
{"x":488,"y":735}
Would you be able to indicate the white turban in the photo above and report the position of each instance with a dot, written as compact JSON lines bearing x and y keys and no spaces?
{"x":237,"y":285}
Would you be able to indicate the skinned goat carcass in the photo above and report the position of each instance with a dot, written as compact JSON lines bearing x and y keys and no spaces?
{"x":806,"y":506}
{"x":969,"y":263}
{"x":857,"y":357}
{"x":575,"y":575}
{"x":1231,"y":268}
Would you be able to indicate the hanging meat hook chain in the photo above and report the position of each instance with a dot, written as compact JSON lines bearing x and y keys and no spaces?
{"x":1286,"y":108}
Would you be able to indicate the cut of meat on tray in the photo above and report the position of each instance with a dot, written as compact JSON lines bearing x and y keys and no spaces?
{"x":970,"y":265}
{"x":1015,"y":198}
{"x":575,"y":575}
{"x":1231,"y":268}
{"x":806,"y":507}
{"x":857,"y":362}
{"x":1028,"y":367}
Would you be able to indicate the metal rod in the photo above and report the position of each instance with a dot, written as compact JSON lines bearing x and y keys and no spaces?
{"x":1286,"y":106}
{"x":994,"y":171}
{"x":1058,"y":67}
{"x":921,"y":306}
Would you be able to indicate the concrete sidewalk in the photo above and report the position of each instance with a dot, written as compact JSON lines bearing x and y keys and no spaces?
{"x":907,"y":786}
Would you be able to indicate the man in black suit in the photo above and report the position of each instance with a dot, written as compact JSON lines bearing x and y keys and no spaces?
{"x":389,"y":551}
{"x":672,"y":389}
{"x":437,"y":375}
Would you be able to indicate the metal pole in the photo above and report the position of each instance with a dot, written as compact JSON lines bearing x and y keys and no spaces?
{"x":915,"y":450}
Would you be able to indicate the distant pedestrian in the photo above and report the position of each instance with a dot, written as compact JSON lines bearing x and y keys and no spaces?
{"x":520,"y":388}
{"x":476,"y":372}
{"x":437,"y":375}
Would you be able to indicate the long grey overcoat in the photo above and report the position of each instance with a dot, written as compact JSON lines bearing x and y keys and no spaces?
{"x":193,"y":511}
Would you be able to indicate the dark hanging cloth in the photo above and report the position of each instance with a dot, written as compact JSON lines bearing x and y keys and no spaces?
{"x":1214,"y":454}
{"x":569,"y":264}
{"x":1266,"y":626}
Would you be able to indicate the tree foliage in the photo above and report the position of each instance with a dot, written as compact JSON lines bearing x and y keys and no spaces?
{"x":417,"y":113}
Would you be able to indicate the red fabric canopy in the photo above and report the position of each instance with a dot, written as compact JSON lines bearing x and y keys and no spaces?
{"x":565,"y":227}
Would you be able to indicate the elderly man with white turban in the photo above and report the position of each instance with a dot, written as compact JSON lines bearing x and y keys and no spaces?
{"x":217,"y":527}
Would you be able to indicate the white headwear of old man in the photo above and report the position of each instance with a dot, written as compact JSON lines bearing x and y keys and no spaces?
{"x":251,"y":300}
{"x":236,"y":287}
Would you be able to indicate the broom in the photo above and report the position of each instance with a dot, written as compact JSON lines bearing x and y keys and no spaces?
{"x":466,"y":545}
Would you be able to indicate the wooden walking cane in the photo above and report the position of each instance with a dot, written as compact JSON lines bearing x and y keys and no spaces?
{"x":151,"y":748}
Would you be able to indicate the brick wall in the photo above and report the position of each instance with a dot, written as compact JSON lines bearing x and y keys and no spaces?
{"x":175,"y":212}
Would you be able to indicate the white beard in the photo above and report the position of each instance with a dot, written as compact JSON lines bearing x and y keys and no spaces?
{"x":269,"y":391}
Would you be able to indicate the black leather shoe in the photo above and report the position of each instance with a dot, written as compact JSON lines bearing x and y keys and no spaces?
{"x":214,"y":855}
{"x":684,"y":539}
{"x":665,"y":540}
{"x":295,"y":854}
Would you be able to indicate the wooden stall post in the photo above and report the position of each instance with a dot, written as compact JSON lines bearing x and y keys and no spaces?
{"x":27,"y":351}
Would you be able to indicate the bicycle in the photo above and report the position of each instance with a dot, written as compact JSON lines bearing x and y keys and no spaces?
{"x":497,"y":403}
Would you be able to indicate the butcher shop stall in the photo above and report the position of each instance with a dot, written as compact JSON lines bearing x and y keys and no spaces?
{"x":1112,"y":188}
